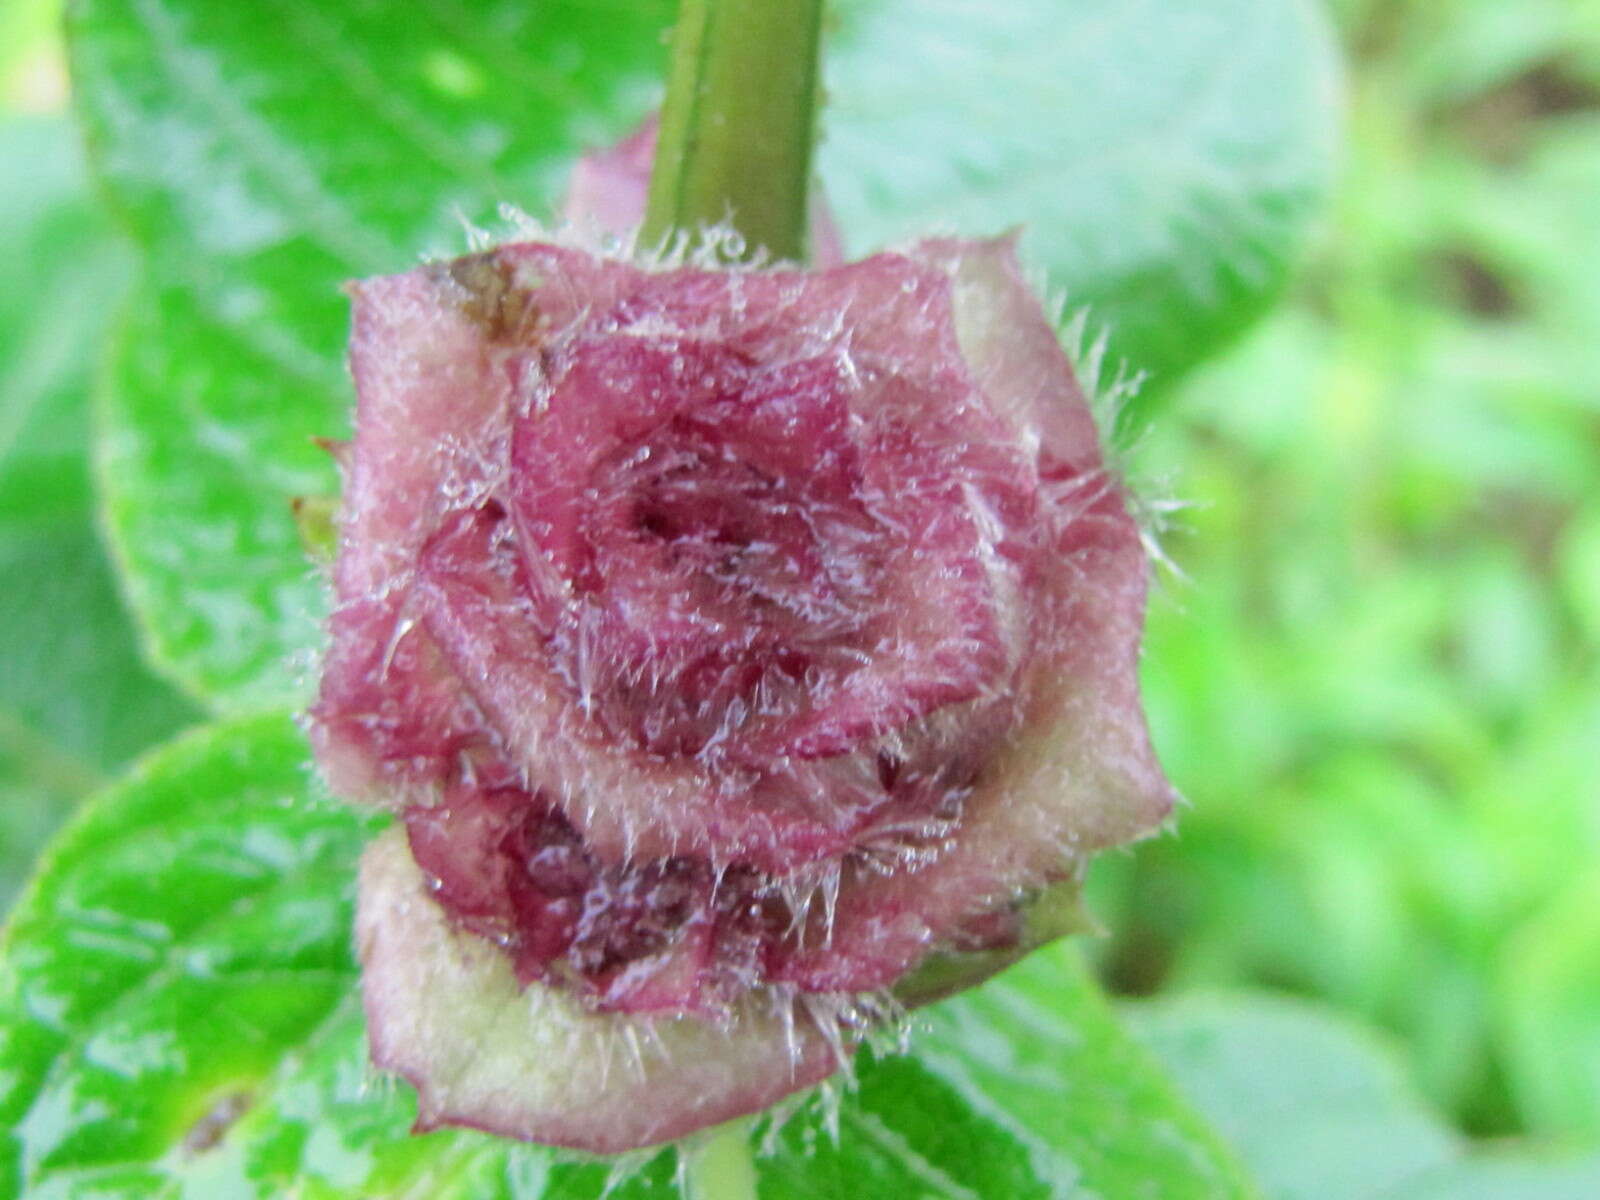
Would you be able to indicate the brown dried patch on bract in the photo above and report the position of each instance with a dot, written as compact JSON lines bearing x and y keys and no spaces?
{"x":487,"y":292}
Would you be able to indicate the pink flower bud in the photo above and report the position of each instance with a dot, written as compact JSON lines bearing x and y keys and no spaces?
{"x":745,"y":651}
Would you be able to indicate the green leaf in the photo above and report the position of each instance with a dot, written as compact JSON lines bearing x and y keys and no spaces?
{"x":1490,"y":1177}
{"x":1312,"y":1103}
{"x":29,"y":37}
{"x":1041,"y":1050}
{"x":1550,"y":1007}
{"x":324,"y":1126}
{"x":1320,"y":1109}
{"x":190,"y":923}
{"x":75,"y":701}
{"x":1166,"y":157}
{"x":178,"y":1017}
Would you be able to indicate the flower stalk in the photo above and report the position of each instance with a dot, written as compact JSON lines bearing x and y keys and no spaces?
{"x":738,"y":123}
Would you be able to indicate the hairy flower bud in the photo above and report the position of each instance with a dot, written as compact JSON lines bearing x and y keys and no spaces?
{"x":747,"y":652}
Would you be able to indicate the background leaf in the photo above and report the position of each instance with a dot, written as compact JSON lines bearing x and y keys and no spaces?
{"x":178,"y":1017}
{"x":1550,"y":1008}
{"x":1165,"y":160}
{"x":1378,"y":680}
{"x":31,"y":79}
{"x":75,"y":701}
{"x":1320,"y":1109}
{"x":1168,"y":158}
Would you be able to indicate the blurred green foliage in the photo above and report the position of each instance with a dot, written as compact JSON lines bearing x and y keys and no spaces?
{"x":1319,"y":1109}
{"x":1377,"y":678}
{"x":76,"y":702}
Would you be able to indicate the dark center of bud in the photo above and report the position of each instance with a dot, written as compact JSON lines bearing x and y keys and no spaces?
{"x":721,"y":564}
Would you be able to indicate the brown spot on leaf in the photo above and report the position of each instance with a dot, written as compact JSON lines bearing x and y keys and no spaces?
{"x":211,"y":1128}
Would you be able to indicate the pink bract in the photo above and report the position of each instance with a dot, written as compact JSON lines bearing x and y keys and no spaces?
{"x":729,"y":640}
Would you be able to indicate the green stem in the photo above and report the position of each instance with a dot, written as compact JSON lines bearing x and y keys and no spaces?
{"x":738,"y":123}
{"x":718,"y":1164}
